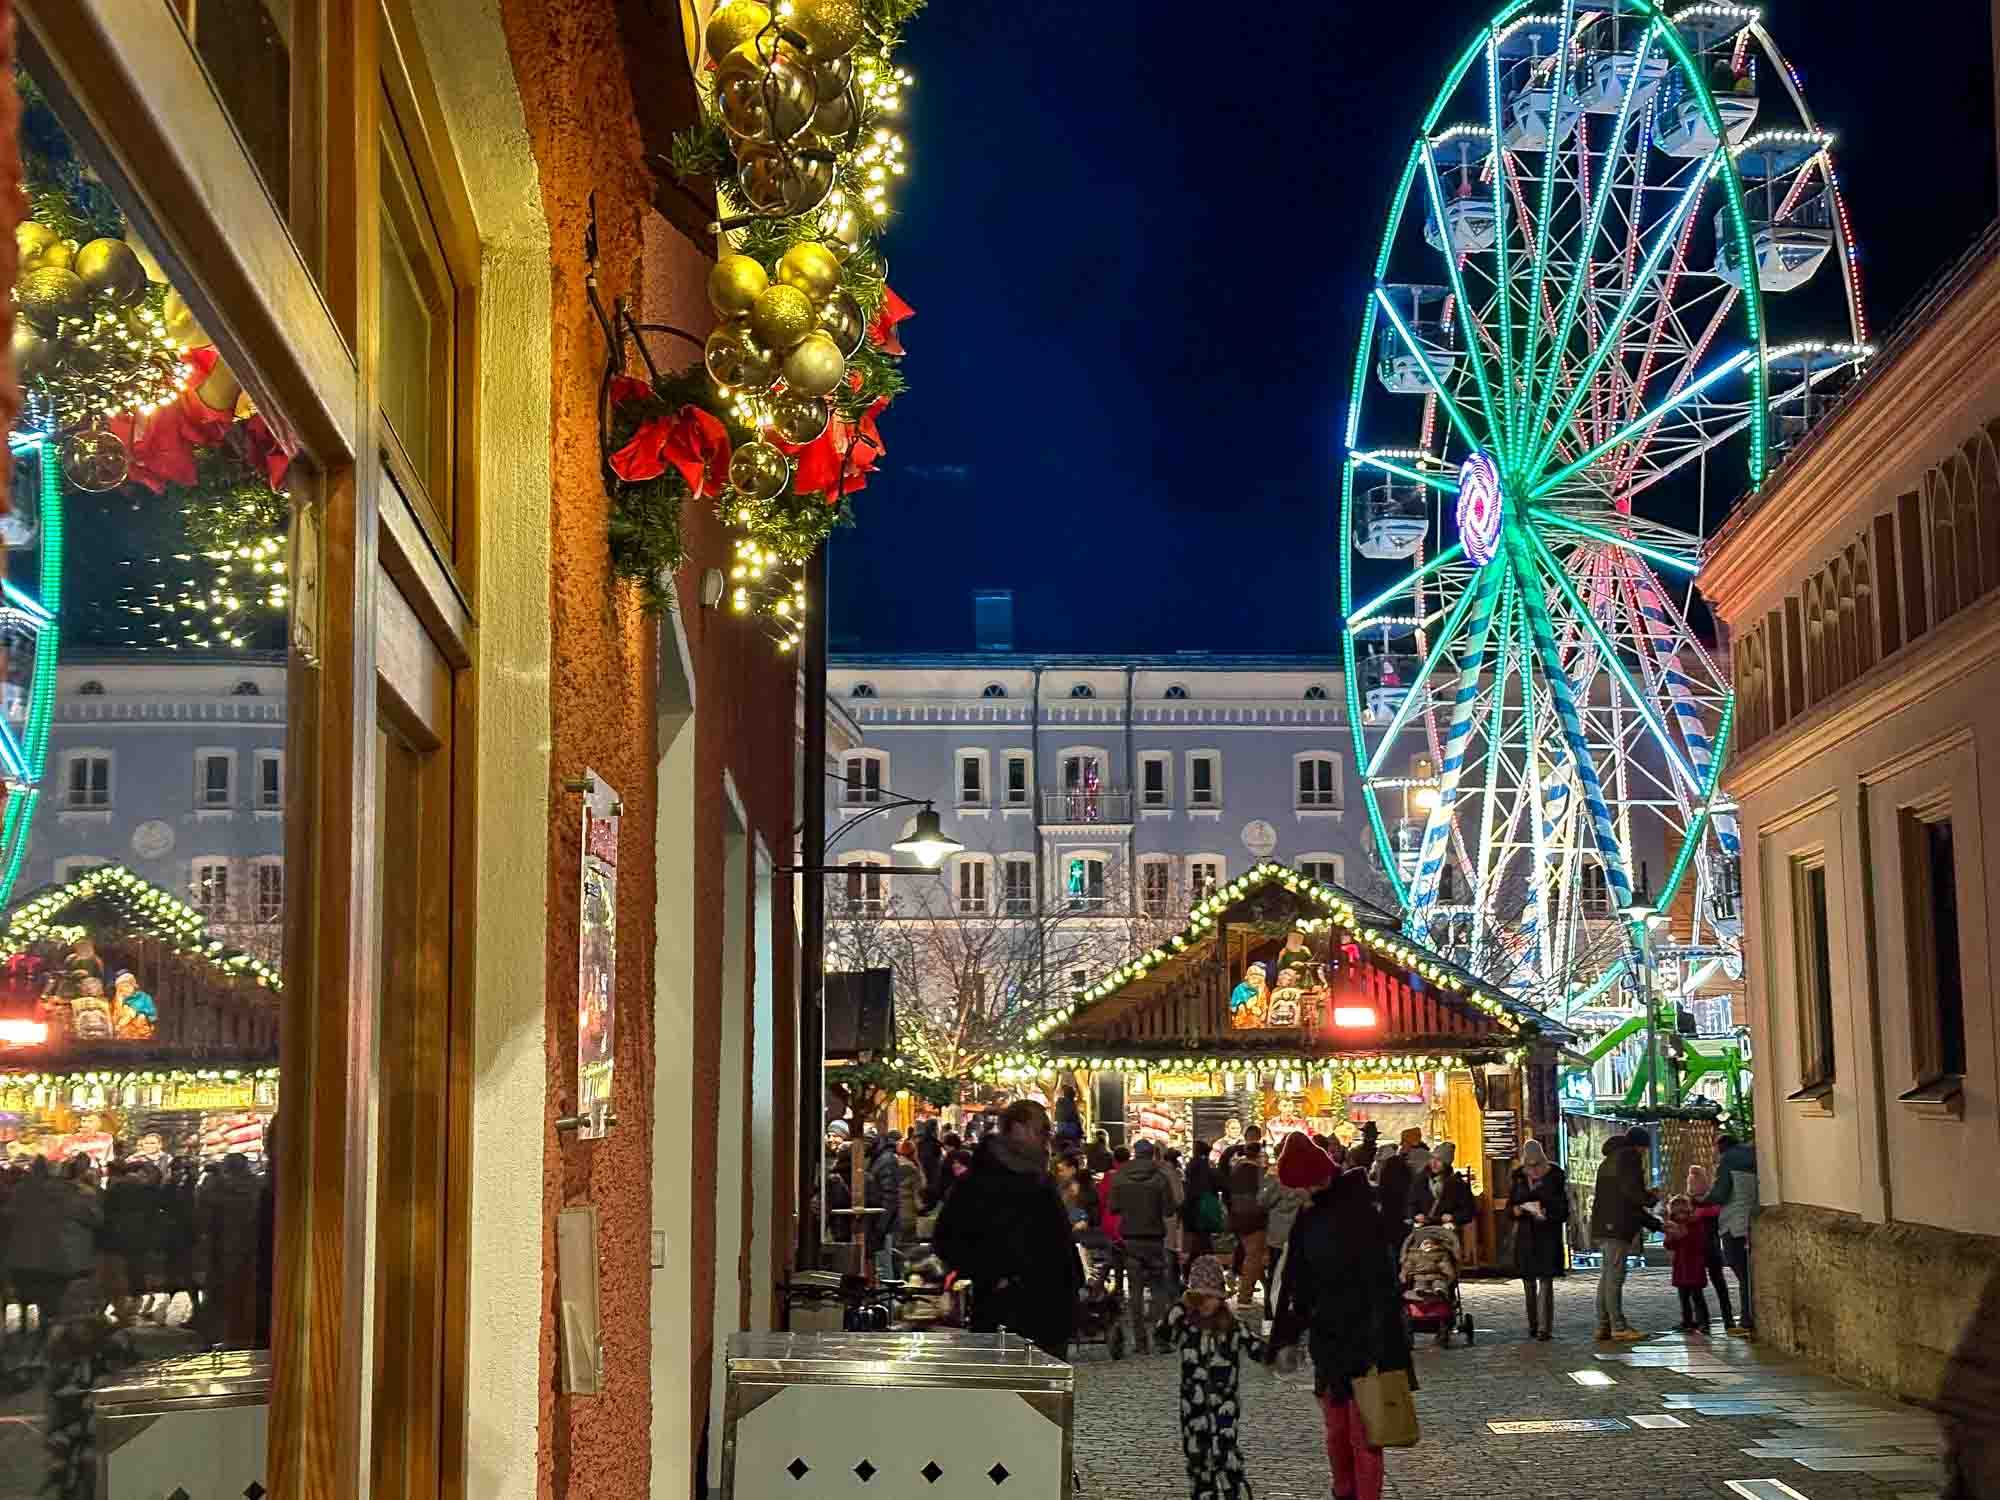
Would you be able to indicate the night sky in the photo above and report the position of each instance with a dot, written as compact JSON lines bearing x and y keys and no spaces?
{"x":1138,"y":240}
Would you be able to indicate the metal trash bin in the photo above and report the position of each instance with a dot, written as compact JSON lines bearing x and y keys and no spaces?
{"x":195,"y":1423}
{"x":907,"y":1414}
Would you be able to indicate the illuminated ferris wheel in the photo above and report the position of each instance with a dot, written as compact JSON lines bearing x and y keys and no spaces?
{"x":1617,"y":271}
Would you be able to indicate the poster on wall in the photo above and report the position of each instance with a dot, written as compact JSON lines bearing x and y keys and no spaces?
{"x":597,"y":958}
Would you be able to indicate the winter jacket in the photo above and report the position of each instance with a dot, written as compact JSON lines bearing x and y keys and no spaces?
{"x":839,"y":1197}
{"x":930,"y":1159}
{"x":1200,"y":1183}
{"x":1281,"y":1206}
{"x":885,"y":1190}
{"x":909,"y":1202}
{"x":1005,"y":1222}
{"x":1392,"y":1190}
{"x":1339,"y":1292}
{"x":1142,"y":1198}
{"x":55,"y":1225}
{"x":1246,"y":1182}
{"x":1443,"y":1195}
{"x":134,"y":1217}
{"x":1621,"y":1206}
{"x":1689,"y":1241}
{"x":1735,"y":1190}
{"x":1538,"y":1242}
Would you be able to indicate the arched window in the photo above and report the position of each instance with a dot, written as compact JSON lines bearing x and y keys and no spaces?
{"x":1315,"y":694}
{"x":862,"y":690}
{"x":993,"y":690}
{"x":90,"y":689}
{"x":1815,"y":643}
{"x":1081,"y":690}
{"x":246,"y":689}
{"x":1843,"y":594}
{"x":1965,"y":520}
{"x":1944,"y":551}
{"x":1176,"y":692}
{"x":1864,"y":606}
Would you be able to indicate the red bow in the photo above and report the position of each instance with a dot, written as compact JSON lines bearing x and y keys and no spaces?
{"x":162,"y":443}
{"x":882,"y":332}
{"x":837,"y":462}
{"x":692,"y":440}
{"x":264,"y":451}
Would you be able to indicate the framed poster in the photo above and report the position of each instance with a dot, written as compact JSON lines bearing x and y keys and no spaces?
{"x":597,"y":958}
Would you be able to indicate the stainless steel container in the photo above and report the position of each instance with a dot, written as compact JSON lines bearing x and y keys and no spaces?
{"x":944,"y":1416}
{"x":194,"y":1424}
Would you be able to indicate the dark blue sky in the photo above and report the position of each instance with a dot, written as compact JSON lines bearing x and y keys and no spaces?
{"x":1138,"y":239}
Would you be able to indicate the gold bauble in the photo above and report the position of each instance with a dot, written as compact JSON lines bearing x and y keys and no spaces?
{"x":830,"y":27}
{"x":775,"y":182}
{"x":34,"y":353}
{"x":734,"y":24}
{"x":815,"y":367}
{"x":50,"y":294}
{"x":58,"y":256}
{"x":735,"y":359}
{"x":735,"y":284}
{"x":796,"y":418}
{"x":783,"y":315}
{"x":813,"y":269}
{"x":836,"y":116}
{"x":95,"y":460}
{"x":178,"y":319}
{"x":31,"y":239}
{"x":832,"y":74}
{"x":765,"y":93}
{"x":758,"y":471}
{"x":109,"y":270}
{"x":841,"y":320}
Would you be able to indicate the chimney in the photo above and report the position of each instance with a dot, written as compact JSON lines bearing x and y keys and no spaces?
{"x":993,"y":619}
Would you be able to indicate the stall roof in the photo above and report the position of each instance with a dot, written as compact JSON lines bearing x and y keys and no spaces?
{"x":144,"y":909}
{"x":1087,"y":1024}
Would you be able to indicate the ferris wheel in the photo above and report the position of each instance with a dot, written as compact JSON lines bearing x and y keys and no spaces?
{"x":1616,"y":278}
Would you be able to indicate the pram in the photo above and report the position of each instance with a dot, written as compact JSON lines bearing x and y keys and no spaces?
{"x":1431,"y":1303}
{"x":1100,"y":1307}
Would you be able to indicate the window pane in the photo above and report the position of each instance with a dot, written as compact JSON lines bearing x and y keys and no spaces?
{"x":1017,"y":778}
{"x":1816,"y":963}
{"x":1949,"y":987}
{"x":969,"y":777}
{"x":408,"y":340}
{"x":1156,"y":776}
{"x":245,"y":46}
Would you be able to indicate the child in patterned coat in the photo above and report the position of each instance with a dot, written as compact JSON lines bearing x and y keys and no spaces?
{"x":1210,"y":1341}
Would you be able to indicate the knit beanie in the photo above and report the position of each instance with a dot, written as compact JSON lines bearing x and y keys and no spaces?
{"x":1205,"y":1277}
{"x":1532,"y":1154}
{"x":1302,"y":1166}
{"x":1446,"y":1152}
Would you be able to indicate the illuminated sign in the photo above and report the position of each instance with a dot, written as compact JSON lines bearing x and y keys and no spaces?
{"x":1182,"y":1085}
{"x":1348,"y":1017}
{"x":1480,"y":508}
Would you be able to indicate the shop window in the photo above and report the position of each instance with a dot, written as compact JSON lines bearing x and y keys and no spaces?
{"x":1017,"y":781}
{"x":89,"y":782}
{"x":866,"y":775}
{"x":1017,"y":890}
{"x":1812,"y":964}
{"x":1937,"y":986}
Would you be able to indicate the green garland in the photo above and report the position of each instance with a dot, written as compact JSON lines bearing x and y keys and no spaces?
{"x":887,"y":1079}
{"x":647,"y":546}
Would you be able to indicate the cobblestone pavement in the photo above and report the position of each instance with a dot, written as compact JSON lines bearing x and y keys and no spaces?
{"x":1822,"y":1439}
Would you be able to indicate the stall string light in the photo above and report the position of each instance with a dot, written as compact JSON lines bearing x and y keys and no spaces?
{"x":161,"y":914}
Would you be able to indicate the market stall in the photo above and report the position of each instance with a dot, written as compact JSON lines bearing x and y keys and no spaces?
{"x":1292,"y":1005}
{"x":128,"y":1027}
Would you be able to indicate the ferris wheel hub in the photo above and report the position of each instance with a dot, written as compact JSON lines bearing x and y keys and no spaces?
{"x":1482,"y":507}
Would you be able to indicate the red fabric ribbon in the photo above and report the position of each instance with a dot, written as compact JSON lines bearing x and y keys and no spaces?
{"x":694,"y":441}
{"x":882,"y":332}
{"x":162,"y":443}
{"x":856,"y":445}
{"x":263,"y":450}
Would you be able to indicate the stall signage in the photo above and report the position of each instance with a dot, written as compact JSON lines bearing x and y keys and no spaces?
{"x":1502,"y":1133}
{"x":1579,"y":1092}
{"x":597,"y":957}
{"x":1183,"y":1085}
{"x":1377,"y":1088}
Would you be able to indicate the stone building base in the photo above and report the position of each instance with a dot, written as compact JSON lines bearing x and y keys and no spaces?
{"x":1907,"y":1309}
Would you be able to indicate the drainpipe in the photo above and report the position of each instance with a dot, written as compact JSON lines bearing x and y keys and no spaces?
{"x":1131,"y":791}
{"x":1035,"y":802}
{"x":812,"y":917}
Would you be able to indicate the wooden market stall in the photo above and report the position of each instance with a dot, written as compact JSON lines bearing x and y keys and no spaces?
{"x":1293,"y":1005}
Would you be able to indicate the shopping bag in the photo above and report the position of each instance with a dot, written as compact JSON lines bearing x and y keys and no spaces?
{"x":1388,"y":1410}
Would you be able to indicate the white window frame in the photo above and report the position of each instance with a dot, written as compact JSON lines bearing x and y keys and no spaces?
{"x":1337,"y":792}
{"x":1164,"y":759}
{"x":90,"y":752}
{"x":984,"y":760}
{"x":1212,"y":808}
{"x":1002,"y":898}
{"x":1004,"y":795}
{"x":196,"y":880}
{"x":984,"y":901}
{"x":1147,"y":864}
{"x":202,"y":757}
{"x":866,"y":906}
{"x":254,"y":894}
{"x":1062,"y":861}
{"x":72,"y":865}
{"x":259,"y":760}
{"x":1195,"y":890}
{"x":850,"y":795}
{"x":1324,"y":857}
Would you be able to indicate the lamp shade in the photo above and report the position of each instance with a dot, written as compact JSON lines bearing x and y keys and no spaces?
{"x":927,"y":840}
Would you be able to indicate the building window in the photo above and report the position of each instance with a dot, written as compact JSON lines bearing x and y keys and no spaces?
{"x":1204,"y":876}
{"x":1017,"y":887}
{"x":1155,"y":887}
{"x":268,"y":889}
{"x":1083,"y":881}
{"x":1319,"y":781}
{"x":865,"y":885}
{"x":89,"y":782}
{"x":210,"y":892}
{"x":1596,"y":892}
{"x":862,"y":690}
{"x":68,"y":869}
{"x":1937,"y":987}
{"x":1153,"y":787}
{"x":1176,"y":692}
{"x":270,"y":780}
{"x":1083,"y":790}
{"x":972,"y":887}
{"x":1205,"y":779}
{"x":1315,"y":694}
{"x":1079,"y":981}
{"x":972,"y":778}
{"x":993,"y":690}
{"x":1081,"y":690}
{"x":1327,"y":869}
{"x":90,"y":687}
{"x":1017,"y":781}
{"x":246,"y":689}
{"x":867,"y":772}
{"x":1812,"y":959}
{"x":214,"y":778}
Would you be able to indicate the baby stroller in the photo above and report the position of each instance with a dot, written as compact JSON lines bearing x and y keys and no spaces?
{"x":1100,"y":1306}
{"x":1431,"y":1303}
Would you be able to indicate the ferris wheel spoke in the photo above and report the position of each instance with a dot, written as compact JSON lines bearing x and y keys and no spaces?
{"x":1451,"y":554}
{"x":1463,"y":303}
{"x":1424,"y":477}
{"x":1642,"y":422}
{"x":1444,"y":397}
{"x":1503,"y":272}
{"x":1665,"y":236}
{"x":1613,"y":539}
{"x":1419,"y":684}
{"x":1550,"y":157}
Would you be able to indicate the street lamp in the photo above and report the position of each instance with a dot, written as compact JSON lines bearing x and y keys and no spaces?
{"x":927,"y":840}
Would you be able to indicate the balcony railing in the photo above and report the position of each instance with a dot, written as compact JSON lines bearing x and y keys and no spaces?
{"x":1086,"y":807}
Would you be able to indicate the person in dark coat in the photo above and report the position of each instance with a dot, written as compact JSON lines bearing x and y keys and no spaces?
{"x":1441,"y":1196}
{"x":1098,"y":1156}
{"x":226,"y":1208}
{"x":930,"y":1161}
{"x":134,"y":1234}
{"x":1340,"y":1294}
{"x":1393,"y":1184}
{"x":884,"y":1187}
{"x":1197,"y":1233}
{"x":1538,"y":1203}
{"x":1069,"y":1119}
{"x":1004,"y":1229}
{"x":1620,"y":1211}
{"x":52,"y":1239}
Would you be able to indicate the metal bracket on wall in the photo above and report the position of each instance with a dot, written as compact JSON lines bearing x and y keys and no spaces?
{"x":586,"y":786}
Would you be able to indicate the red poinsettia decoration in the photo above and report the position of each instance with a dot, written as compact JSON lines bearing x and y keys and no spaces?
{"x":691,"y":440}
{"x":162,"y":443}
{"x":837,"y":462}
{"x":882,"y":332}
